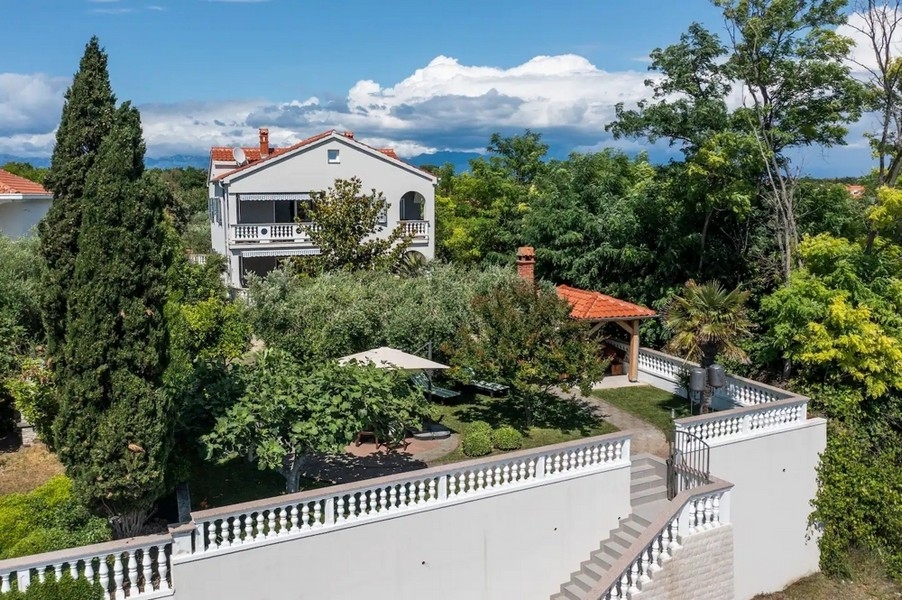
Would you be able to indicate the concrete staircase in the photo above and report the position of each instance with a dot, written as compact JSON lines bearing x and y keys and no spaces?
{"x":648,"y":493}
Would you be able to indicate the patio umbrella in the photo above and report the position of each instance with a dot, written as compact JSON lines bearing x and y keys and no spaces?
{"x":392,"y":358}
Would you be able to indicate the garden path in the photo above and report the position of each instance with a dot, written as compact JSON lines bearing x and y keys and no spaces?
{"x":646,"y":437}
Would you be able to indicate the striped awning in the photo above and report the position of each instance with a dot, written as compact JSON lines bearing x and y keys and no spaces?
{"x":281,"y":252}
{"x":272,"y":197}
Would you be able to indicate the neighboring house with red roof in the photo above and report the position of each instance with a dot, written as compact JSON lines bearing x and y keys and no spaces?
{"x":23,"y":203}
{"x":856,"y":191}
{"x":258,"y":194}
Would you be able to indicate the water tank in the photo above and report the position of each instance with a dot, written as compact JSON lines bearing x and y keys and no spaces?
{"x":697,"y":379}
{"x":717,"y":377}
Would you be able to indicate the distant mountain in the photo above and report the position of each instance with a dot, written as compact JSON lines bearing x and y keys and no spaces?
{"x":35,"y":161}
{"x":177,"y":161}
{"x":460,"y":160}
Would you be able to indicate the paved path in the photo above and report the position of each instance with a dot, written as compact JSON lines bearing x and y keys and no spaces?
{"x":646,"y":437}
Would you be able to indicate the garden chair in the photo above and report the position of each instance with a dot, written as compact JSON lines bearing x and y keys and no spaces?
{"x":487,"y":387}
{"x":421,"y":381}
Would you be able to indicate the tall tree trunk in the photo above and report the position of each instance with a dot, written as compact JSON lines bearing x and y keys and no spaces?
{"x":294,"y":463}
{"x":701,"y":251}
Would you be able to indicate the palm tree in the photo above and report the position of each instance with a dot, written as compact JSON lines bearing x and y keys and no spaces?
{"x":707,"y":321}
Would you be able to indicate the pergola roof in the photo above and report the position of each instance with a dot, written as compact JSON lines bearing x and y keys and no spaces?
{"x":595,"y":306}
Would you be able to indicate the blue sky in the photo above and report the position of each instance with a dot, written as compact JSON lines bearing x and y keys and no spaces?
{"x":420,"y":76}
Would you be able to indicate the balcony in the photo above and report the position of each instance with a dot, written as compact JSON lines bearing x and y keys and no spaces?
{"x":419,"y":230}
{"x":269,"y":233}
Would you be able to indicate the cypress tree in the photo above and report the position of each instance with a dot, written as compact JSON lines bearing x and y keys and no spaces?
{"x":114,"y":430}
{"x":86,"y":120}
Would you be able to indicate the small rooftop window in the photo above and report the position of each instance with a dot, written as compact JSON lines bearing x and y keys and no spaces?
{"x":334,"y":157}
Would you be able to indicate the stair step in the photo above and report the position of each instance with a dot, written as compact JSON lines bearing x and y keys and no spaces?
{"x":646,"y":482}
{"x":585,"y":581}
{"x":651,"y":510}
{"x":614,"y":548}
{"x":571,"y":591}
{"x":597,"y":566}
{"x":649,"y":495}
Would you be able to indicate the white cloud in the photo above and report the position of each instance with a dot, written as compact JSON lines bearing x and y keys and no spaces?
{"x":30,"y":104}
{"x":862,"y":56}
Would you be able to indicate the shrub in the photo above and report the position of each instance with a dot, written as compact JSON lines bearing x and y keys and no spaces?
{"x":479,"y":426}
{"x":65,"y":588}
{"x":507,"y":438}
{"x":47,"y":519}
{"x":477,"y":443}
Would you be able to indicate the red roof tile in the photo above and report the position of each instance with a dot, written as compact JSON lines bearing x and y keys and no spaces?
{"x":224,"y":154}
{"x":595,"y":306}
{"x":13,"y":184}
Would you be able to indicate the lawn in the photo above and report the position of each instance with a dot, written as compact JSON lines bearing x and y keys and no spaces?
{"x":27,"y":468}
{"x":560,"y":420}
{"x":869,"y":582}
{"x":648,"y":403}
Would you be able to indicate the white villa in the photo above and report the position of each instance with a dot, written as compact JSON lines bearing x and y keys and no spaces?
{"x":258,"y":195}
{"x":23,"y":203}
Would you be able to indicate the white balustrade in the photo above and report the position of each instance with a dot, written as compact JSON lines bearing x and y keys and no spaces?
{"x":743,"y":422}
{"x":343,"y":506}
{"x":692,"y":513}
{"x":417,"y":229}
{"x":272,"y":232}
{"x":135,"y":568}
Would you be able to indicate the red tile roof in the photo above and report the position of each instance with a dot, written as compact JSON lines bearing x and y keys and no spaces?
{"x":224,"y":154}
{"x":13,"y":184}
{"x":595,"y":306}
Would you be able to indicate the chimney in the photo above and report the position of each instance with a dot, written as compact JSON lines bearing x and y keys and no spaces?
{"x":264,"y":142}
{"x":349,"y":135}
{"x":526,"y":263}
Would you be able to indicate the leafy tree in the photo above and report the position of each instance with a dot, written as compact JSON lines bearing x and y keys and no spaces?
{"x":519,"y":155}
{"x":87,"y":119}
{"x":287,"y":413}
{"x":525,"y":338}
{"x":26,"y":170}
{"x":114,"y":429}
{"x":347,"y":231}
{"x":708,"y":321}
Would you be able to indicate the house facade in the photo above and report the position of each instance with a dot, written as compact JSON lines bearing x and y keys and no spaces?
{"x":23,"y":203}
{"x":259,"y":197}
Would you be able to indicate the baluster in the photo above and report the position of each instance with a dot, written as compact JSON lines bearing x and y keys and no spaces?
{"x":305,"y":516}
{"x":565,"y":463}
{"x":342,"y":512}
{"x":521,"y":471}
{"x":480,"y":479}
{"x":248,"y":528}
{"x":594,"y":458}
{"x":223,"y":532}
{"x":634,"y":578}
{"x":146,"y":572}
{"x":709,"y":513}
{"x":89,"y":570}
{"x":58,"y":571}
{"x":645,"y":566}
{"x":132,"y":572}
{"x":163,"y":568}
{"x":403,"y":496}
{"x":236,"y":531}
{"x":531,"y":468}
{"x":471,"y":481}
{"x":608,"y":452}
{"x":506,"y":474}
{"x":433,"y":490}
{"x":294,"y":515}
{"x":625,"y":584}
{"x":4,"y":583}
{"x":261,"y":520}
{"x":556,"y":464}
{"x":392,"y":497}
{"x":695,"y":515}
{"x":283,"y":518}
{"x":318,"y":513}
{"x":421,"y":492}
{"x":497,"y":478}
{"x":715,"y":517}
{"x":73,"y":569}
{"x":271,"y":523}
{"x":118,"y":576}
{"x":674,"y":542}
{"x":656,"y":546}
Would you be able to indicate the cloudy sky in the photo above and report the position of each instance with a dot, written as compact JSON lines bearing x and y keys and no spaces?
{"x":421,"y":76}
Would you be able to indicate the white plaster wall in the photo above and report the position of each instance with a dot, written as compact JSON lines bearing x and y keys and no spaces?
{"x":515,"y":546}
{"x":775,"y":480}
{"x":702,"y":569}
{"x":18,"y":218}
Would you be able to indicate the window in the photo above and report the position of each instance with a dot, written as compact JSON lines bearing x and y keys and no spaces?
{"x":334,"y":157}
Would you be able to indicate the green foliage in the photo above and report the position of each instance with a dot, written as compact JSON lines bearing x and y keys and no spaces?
{"x":287,"y":412}
{"x":708,"y":321}
{"x":524,"y":337}
{"x":26,"y":170}
{"x":477,"y":443}
{"x":507,"y":438}
{"x":47,"y":519}
{"x":479,"y":426}
{"x":346,"y":221}
{"x":64,"y":588}
{"x":114,"y":429}
{"x":337,"y":314}
{"x":87,"y":119}
{"x":33,"y":394}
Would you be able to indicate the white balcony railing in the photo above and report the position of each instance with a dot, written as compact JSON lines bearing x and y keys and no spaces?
{"x":270,"y":232}
{"x":239,"y":526}
{"x":138,"y":568}
{"x":730,"y":425}
{"x":418,"y":229}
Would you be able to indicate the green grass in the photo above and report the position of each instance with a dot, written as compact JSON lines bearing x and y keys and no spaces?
{"x":648,"y":403}
{"x":558,"y":420}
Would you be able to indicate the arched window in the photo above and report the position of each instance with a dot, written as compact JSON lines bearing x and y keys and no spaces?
{"x":413,"y":207}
